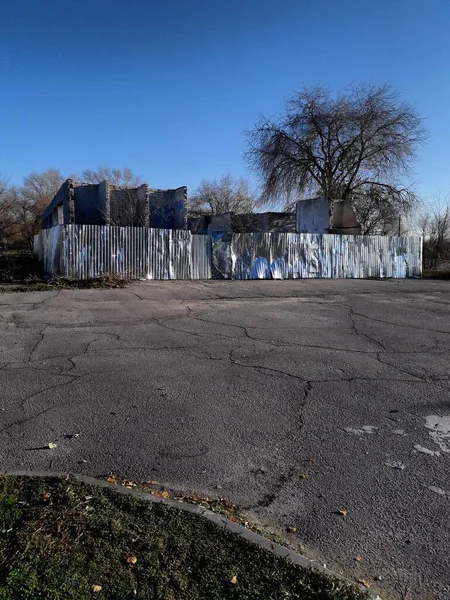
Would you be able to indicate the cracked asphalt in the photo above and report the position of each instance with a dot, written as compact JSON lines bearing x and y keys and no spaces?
{"x":297,"y":399}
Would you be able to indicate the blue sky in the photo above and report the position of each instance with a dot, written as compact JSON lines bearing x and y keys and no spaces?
{"x":168,"y":88}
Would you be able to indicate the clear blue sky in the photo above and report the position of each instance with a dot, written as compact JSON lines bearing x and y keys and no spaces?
{"x":169,"y":87}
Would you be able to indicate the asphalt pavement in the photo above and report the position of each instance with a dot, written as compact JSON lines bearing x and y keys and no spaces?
{"x":319,"y":405}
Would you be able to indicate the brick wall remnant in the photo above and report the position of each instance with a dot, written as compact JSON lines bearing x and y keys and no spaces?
{"x":107,"y":204}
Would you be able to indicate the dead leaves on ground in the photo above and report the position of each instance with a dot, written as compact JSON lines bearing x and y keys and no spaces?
{"x":291,"y":529}
{"x":233,"y":580}
{"x":121,"y":481}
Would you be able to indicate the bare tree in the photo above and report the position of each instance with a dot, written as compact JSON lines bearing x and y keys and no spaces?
{"x":7,"y":213}
{"x":222,"y":197}
{"x":32,"y":198}
{"x":227,"y":194}
{"x":434,"y":226}
{"x":39,"y":188}
{"x":358,"y":145}
{"x":123,"y":177}
{"x":380,"y":213}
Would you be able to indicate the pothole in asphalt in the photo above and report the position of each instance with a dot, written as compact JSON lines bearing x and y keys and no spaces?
{"x":439,"y":430}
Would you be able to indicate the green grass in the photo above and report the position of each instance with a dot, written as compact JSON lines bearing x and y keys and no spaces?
{"x":59,"y":538}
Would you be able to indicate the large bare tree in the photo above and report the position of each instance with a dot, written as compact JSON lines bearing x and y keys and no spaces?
{"x":358,"y":145}
{"x":123,"y":177}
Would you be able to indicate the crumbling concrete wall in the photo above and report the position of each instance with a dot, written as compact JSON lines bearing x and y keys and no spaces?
{"x":274,"y":222}
{"x":81,"y":203}
{"x":90,"y":204}
{"x":128,"y":206}
{"x":268,"y":222}
{"x":320,"y":215}
{"x":343,"y":219}
{"x":168,"y":208}
{"x":106,"y":204}
{"x":57,"y":212}
{"x":313,"y":215}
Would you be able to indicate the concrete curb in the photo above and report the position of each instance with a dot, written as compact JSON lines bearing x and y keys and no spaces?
{"x":218,"y":519}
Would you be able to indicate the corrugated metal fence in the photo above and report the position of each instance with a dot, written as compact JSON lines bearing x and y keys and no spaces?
{"x":85,"y":251}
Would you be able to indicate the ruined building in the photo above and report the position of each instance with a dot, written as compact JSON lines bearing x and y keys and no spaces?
{"x":142,"y":206}
{"x":107,"y":204}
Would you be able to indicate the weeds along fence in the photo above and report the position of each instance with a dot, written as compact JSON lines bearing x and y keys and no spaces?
{"x":85,"y":251}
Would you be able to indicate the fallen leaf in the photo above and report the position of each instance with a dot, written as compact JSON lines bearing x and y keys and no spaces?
{"x":358,"y":558}
{"x":303,"y":476}
{"x":343,"y":512}
{"x":164,"y":494}
{"x":234,"y":520}
{"x":233,"y":580}
{"x":111,"y":480}
{"x":51,"y":446}
{"x":364,"y":583}
{"x":291,"y":529}
{"x":46,"y":496}
{"x":132,"y":560}
{"x":96,"y":588}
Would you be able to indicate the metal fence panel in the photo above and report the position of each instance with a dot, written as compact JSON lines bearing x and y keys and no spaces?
{"x":85,"y":251}
{"x":310,"y":255}
{"x":158,"y":254}
{"x":180,"y":253}
{"x":201,"y":257}
{"x":47,"y":246}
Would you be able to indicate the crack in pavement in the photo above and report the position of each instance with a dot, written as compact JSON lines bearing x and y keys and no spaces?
{"x":42,"y":334}
{"x":415,"y":327}
{"x":351,"y":315}
{"x":47,"y":389}
{"x":423,"y":378}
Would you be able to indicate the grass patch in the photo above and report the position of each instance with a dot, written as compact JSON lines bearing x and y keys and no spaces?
{"x":19,"y":266}
{"x":435,"y":274}
{"x":21,"y":271}
{"x":59,"y":538}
